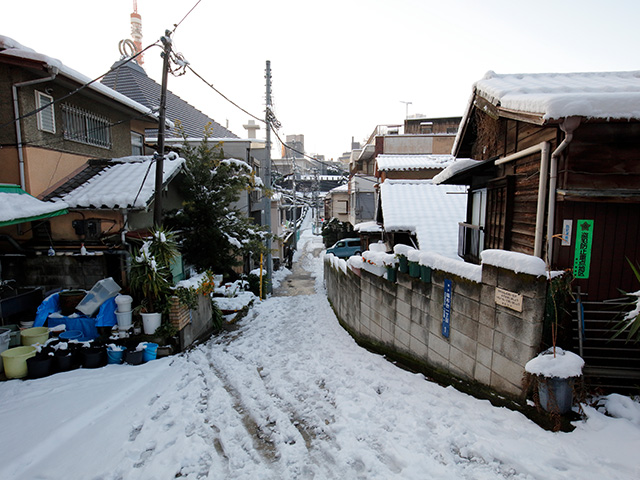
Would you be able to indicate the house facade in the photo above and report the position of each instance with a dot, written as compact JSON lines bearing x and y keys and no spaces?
{"x":54,"y":119}
{"x":556,"y":176}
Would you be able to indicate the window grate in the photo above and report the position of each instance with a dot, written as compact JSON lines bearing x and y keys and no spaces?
{"x":85,"y":127}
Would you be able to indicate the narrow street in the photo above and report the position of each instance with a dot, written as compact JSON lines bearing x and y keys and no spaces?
{"x":287,"y":395}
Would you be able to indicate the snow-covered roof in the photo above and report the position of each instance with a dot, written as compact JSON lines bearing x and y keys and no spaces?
{"x":553,"y":96}
{"x":455,"y":167}
{"x":127,"y":182}
{"x":607,"y":95}
{"x":340,"y":189}
{"x":10,"y":47}
{"x":430,"y":211}
{"x":367,"y":227}
{"x":388,"y":162}
{"x":17,"y":206}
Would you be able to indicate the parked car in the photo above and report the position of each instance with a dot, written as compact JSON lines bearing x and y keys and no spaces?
{"x":346,"y":247}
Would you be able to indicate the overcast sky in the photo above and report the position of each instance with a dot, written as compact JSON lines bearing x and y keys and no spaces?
{"x":339,"y":67}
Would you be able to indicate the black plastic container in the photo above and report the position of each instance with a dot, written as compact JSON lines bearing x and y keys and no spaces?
{"x":133,"y":357}
{"x":94,"y":357}
{"x":39,"y":366}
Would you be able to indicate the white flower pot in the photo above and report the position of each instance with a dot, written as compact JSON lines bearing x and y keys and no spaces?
{"x":151,"y":322}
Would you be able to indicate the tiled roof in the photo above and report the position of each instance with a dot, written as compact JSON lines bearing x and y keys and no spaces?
{"x":430,"y":211}
{"x":389,"y":162}
{"x":127,"y":182}
{"x":131,"y":80}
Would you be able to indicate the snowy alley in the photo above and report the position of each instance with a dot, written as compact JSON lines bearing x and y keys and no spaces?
{"x":289,"y":395}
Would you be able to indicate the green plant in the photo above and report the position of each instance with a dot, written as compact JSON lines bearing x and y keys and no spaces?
{"x":254,"y":284}
{"x":150,"y":273}
{"x":217,"y":319}
{"x":631,"y":320}
{"x":166,"y":330}
{"x":187,"y":297}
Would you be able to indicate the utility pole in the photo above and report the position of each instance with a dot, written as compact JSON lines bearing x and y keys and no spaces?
{"x":159,"y":156}
{"x":295,"y":204}
{"x":267,"y":174}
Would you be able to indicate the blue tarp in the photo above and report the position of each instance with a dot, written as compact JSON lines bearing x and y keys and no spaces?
{"x":106,"y":317}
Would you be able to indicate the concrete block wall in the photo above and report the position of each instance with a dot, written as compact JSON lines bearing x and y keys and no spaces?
{"x":488,"y":343}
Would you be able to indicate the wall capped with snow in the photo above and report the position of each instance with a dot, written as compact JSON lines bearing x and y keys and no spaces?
{"x":495,"y":324}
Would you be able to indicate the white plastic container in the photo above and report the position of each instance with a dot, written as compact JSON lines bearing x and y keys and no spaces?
{"x":151,"y":322}
{"x":124,"y":303}
{"x":124,"y":320}
{"x":100,"y":293}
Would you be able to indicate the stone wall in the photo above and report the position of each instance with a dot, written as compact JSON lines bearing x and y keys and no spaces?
{"x":488,"y":343}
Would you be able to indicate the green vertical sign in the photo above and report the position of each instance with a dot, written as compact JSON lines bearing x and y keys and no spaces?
{"x":584,"y":240}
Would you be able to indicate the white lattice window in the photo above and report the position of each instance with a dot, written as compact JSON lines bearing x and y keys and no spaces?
{"x":85,"y":127}
{"x":46,"y":116}
{"x":137,"y":144}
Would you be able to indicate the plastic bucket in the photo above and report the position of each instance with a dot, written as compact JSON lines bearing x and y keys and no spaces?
{"x":69,"y":300}
{"x":115,"y":357}
{"x":151,"y":322}
{"x":124,"y":303}
{"x":34,"y":335}
{"x":5,"y":340}
{"x":151,"y":352}
{"x":124,"y":319}
{"x":70,"y":335}
{"x":39,"y":366}
{"x":63,"y":362}
{"x":15,"y":361}
{"x":133,"y":357}
{"x":94,"y":357}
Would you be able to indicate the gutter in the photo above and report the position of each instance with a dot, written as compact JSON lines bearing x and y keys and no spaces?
{"x":543,"y":148}
{"x":16,"y":116}
{"x":568,"y":126}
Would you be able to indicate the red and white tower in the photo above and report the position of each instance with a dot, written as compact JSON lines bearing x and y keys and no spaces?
{"x":136,"y":31}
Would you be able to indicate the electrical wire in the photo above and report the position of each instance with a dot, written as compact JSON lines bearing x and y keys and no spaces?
{"x":189,"y":67}
{"x":176,"y":25}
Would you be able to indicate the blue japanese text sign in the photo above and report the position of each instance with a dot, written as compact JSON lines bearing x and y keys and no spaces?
{"x":446,"y":307}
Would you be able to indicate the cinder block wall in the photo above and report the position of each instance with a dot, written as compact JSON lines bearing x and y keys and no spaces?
{"x":488,"y":343}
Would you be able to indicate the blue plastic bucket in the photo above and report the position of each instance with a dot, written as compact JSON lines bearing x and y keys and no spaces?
{"x":115,"y":356}
{"x":150,"y":352}
{"x":70,"y":335}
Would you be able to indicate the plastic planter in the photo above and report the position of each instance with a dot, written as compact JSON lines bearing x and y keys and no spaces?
{"x":555,"y":394}
{"x":414,"y":269}
{"x":40,"y":366}
{"x":403,"y":264}
{"x":391,"y":274}
{"x":425,"y":273}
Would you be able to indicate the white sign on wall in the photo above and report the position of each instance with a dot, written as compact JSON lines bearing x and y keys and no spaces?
{"x":566,"y":232}
{"x":509,"y":299}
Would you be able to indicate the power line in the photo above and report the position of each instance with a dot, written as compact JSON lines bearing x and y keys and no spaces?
{"x":176,"y":25}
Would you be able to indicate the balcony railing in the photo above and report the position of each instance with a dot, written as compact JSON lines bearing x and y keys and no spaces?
{"x":469,"y":242}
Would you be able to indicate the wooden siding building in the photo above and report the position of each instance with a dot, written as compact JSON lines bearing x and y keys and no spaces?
{"x":558,"y":177}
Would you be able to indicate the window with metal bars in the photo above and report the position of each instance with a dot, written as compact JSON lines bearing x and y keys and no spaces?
{"x":85,"y":127}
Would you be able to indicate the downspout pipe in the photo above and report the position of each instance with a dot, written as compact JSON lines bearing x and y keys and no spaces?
{"x":568,"y":126}
{"x":16,"y":116}
{"x":543,"y":148}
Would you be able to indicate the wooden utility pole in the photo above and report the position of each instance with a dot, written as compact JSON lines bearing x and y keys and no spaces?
{"x":159,"y":156}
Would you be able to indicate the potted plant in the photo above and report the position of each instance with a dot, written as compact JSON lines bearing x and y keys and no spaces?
{"x":150,"y":276}
{"x":555,"y":371}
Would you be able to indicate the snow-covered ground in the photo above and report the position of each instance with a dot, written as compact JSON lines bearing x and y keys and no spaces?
{"x":289,"y":395}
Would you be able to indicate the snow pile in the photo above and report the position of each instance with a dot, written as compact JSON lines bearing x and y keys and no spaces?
{"x":367,"y":227}
{"x":518,"y":262}
{"x":457,"y":267}
{"x":562,"y":364}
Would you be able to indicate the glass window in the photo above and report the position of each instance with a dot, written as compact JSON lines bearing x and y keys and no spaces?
{"x":85,"y":127}
{"x":137,"y":144}
{"x":46,"y":116}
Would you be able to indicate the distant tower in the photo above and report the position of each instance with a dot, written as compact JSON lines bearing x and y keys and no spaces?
{"x":251,"y":128}
{"x":136,"y":31}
